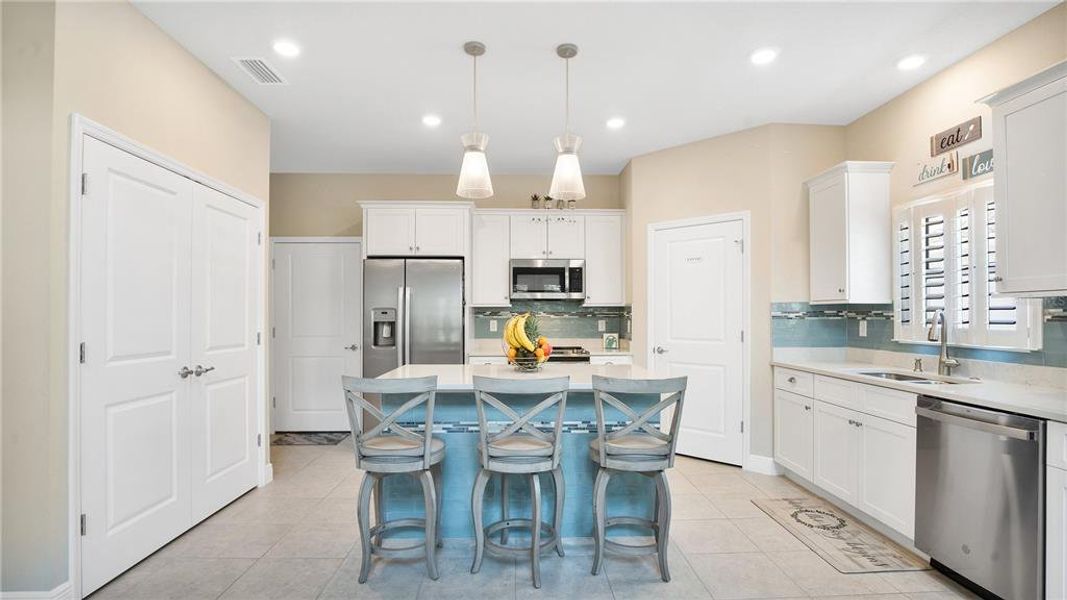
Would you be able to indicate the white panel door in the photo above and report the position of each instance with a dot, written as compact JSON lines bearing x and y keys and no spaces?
{"x":887,"y":473}
{"x":603,"y":260}
{"x":1056,"y":533}
{"x":491,"y":260}
{"x":441,"y":231}
{"x":566,"y":236}
{"x":390,"y":231}
{"x":837,"y":451}
{"x":829,"y":242}
{"x":793,"y":430}
{"x":225,"y":286}
{"x":134,"y":409}
{"x":317,"y":327}
{"x":529,"y":237}
{"x":697,"y":288}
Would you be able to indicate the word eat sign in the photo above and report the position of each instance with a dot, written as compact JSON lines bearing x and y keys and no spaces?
{"x":961,"y":134}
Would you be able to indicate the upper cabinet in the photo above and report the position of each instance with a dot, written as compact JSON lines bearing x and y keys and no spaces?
{"x":416,"y":229}
{"x":1030,"y":184}
{"x":490,"y":266}
{"x":849,"y":217}
{"x":550,"y":235}
{"x":604,"y":260}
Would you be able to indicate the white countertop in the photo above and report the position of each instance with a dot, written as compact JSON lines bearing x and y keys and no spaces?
{"x":1040,"y":402}
{"x":460,"y":377}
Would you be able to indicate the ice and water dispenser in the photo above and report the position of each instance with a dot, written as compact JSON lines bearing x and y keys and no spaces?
{"x":384,"y":320}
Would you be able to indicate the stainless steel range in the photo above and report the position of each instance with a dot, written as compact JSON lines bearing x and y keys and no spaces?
{"x":569,"y":354}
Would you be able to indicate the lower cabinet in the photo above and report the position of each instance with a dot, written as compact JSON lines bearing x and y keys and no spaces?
{"x":486,"y":360}
{"x":1056,"y":533}
{"x":612,"y":359}
{"x":837,"y":451}
{"x":793,"y":430}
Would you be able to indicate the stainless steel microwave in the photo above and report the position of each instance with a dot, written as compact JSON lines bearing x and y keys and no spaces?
{"x":547,"y":279}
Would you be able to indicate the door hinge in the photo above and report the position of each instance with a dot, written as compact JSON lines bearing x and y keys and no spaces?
{"x":259,"y":340}
{"x":81,"y":353}
{"x":742,"y":426}
{"x":742,"y":335}
{"x":272,"y":264}
{"x":85,"y":183}
{"x":82,"y":521}
{"x":259,"y":238}
{"x":272,"y":333}
{"x":259,"y":440}
{"x":741,"y":245}
{"x":274,"y":402}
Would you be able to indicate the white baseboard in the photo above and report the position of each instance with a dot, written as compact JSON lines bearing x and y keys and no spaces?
{"x":62,"y":591}
{"x":762,"y":464}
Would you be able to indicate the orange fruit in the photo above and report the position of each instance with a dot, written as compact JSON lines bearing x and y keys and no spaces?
{"x":511,"y":354}
{"x":547,"y":348}
{"x":541,"y":341}
{"x":540,"y":354}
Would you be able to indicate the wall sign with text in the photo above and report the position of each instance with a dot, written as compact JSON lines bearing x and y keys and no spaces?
{"x":937,"y":167}
{"x":977,"y":165}
{"x":964,"y":133}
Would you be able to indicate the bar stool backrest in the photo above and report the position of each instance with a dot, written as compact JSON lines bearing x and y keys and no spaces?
{"x":551,"y":392}
{"x":671,"y":393}
{"x":356,"y":403}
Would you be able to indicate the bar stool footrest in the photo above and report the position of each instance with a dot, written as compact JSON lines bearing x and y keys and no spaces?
{"x":549,"y":537}
{"x":415,"y":550}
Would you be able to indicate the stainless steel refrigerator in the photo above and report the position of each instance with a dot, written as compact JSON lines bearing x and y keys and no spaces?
{"x":414,"y":313}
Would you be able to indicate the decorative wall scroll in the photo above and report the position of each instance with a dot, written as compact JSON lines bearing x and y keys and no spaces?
{"x":964,"y":133}
{"x":977,"y":165}
{"x":937,"y":167}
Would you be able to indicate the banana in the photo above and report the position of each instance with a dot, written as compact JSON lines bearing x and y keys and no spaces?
{"x":509,"y":330}
{"x":519,"y":333}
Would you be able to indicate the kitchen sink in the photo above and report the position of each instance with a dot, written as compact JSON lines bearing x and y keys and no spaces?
{"x":919,"y":379}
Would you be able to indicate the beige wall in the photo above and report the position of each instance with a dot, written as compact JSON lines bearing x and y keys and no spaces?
{"x":759,"y":171}
{"x":109,"y":63}
{"x":900,"y":129}
{"x":326,"y":203}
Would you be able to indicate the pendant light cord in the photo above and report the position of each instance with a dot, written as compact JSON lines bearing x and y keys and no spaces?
{"x":567,"y":95}
{"x":475,"y":93}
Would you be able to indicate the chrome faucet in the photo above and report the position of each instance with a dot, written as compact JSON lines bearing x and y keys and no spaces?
{"x":945,"y":364}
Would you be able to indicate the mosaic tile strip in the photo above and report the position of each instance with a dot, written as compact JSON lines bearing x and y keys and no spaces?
{"x":558,"y":319}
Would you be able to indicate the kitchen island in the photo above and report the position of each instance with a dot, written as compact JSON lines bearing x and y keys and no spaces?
{"x":456,"y":421}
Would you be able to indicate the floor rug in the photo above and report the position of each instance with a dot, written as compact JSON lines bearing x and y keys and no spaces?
{"x":841,"y":540}
{"x":318,"y":438}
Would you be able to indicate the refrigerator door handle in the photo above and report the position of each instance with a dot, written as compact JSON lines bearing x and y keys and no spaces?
{"x":401,"y":329}
{"x":407,"y":325}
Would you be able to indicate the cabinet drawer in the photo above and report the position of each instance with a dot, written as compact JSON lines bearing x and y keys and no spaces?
{"x":487,"y":360}
{"x":620,"y":359}
{"x":894,"y":405}
{"x":1057,"y":445}
{"x":840,"y":392}
{"x":797,"y":382}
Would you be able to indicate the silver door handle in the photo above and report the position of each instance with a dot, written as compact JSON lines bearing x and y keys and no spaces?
{"x":660,"y":350}
{"x":399,"y":326}
{"x":994,"y":428}
{"x":792,"y":380}
{"x":353,"y":347}
{"x":185,"y":372}
{"x":200,"y":370}
{"x":407,"y":326}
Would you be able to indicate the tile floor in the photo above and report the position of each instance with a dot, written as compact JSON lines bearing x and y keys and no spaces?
{"x":297,"y":538}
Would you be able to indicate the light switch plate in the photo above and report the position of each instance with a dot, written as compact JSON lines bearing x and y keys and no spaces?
{"x":492,"y":325}
{"x":863,"y":328}
{"x":601,"y":325}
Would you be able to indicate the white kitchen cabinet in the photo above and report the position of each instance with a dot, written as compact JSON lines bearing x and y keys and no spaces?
{"x":566,"y":236}
{"x":487,"y":360}
{"x":1030,"y":190}
{"x":849,"y":234}
{"x":550,"y":235}
{"x":793,"y":431}
{"x":604,"y":260}
{"x":529,"y":236}
{"x":432,"y":229}
{"x":1055,"y":533}
{"x":887,"y":472}
{"x":837,"y":443}
{"x":491,"y":263}
{"x":611,"y":359}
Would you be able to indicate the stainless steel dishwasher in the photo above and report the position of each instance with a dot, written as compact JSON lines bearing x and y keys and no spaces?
{"x":980,"y":496}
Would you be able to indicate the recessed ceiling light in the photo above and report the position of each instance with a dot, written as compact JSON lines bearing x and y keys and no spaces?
{"x":909,"y":63}
{"x":764,"y":56}
{"x":431,"y":120}
{"x":616,"y":123}
{"x":286,"y":48}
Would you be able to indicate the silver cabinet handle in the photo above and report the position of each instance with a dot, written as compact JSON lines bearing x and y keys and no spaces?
{"x":411,"y":248}
{"x":660,"y":350}
{"x":806,"y":407}
{"x":200,"y":370}
{"x":858,"y":424}
{"x":792,"y":380}
{"x":353,"y":347}
{"x":418,"y":248}
{"x":185,"y":372}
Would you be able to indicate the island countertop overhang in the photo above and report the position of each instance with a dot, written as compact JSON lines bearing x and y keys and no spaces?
{"x":459,"y":378}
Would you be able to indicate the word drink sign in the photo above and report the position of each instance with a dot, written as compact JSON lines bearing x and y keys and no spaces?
{"x":977,"y":165}
{"x":937,"y":167}
{"x":964,"y":133}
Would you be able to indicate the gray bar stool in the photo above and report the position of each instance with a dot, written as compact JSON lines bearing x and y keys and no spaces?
{"x":388,"y":448}
{"x":520,"y":448}
{"x":638,"y":447}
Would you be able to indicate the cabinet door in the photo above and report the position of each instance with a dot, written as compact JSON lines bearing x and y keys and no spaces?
{"x":1056,"y":533}
{"x":611,"y":359}
{"x":528,"y":237}
{"x":566,"y":236}
{"x":1030,"y":145}
{"x":389,"y":231}
{"x":603,"y":260}
{"x":829,"y":241}
{"x":887,"y":473}
{"x":492,"y":247}
{"x":837,"y":442}
{"x":793,"y":431}
{"x":441,"y":231}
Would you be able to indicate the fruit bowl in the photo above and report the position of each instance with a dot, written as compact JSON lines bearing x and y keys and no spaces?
{"x":523,"y":345}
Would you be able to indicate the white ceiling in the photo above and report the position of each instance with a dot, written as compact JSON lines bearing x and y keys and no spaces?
{"x":677,"y":72}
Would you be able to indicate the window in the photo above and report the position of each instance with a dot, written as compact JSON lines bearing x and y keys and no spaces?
{"x":955,"y":245}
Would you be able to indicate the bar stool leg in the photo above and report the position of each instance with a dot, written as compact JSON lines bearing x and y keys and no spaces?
{"x":600,"y":487}
{"x":535,"y":529}
{"x":477,"y":497}
{"x":363,"y":516}
{"x":504,"y":507}
{"x":560,"y":489}
{"x":438,"y":485}
{"x":663,"y":523}
{"x":430,"y":500}
{"x":379,"y":511}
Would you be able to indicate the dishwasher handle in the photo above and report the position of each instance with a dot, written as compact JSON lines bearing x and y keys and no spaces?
{"x":1028,"y":435}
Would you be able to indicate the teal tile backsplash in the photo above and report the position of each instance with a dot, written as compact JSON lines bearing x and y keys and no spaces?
{"x":558,"y":319}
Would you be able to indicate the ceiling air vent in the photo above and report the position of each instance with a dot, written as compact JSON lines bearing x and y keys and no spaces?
{"x":260,"y":71}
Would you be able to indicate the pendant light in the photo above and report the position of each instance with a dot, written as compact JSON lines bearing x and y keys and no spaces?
{"x":567,"y":181}
{"x":474,"y":181}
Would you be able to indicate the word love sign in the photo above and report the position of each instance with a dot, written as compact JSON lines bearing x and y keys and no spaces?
{"x":961,"y":134}
{"x":937,"y":168}
{"x":977,"y":165}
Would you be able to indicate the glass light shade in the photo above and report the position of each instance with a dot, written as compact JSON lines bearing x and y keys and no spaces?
{"x":567,"y":181}
{"x":474,"y":181}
